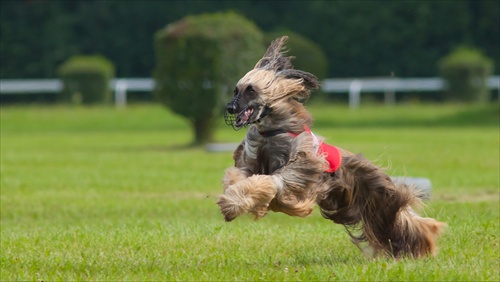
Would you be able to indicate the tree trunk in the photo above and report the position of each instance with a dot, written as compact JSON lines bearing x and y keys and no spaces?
{"x":203,"y":130}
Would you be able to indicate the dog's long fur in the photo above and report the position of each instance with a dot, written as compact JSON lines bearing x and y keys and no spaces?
{"x":283,"y":172}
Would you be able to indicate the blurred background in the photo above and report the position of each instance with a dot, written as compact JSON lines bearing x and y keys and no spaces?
{"x":348,"y":38}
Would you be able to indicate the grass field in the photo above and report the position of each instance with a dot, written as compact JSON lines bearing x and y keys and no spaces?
{"x":107,"y":194}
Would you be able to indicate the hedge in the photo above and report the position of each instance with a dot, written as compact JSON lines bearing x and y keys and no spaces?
{"x":86,"y":79}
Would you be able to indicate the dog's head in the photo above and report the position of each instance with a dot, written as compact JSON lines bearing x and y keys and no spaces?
{"x":272,"y":82}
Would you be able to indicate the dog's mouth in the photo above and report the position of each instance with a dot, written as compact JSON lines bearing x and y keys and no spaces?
{"x":240,"y":119}
{"x":246,"y":117}
{"x":243,"y":118}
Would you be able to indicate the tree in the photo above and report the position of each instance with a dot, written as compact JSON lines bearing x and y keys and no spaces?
{"x":198,"y":60}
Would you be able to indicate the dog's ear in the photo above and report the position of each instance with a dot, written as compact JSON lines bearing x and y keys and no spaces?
{"x":309,"y":80}
{"x":275,"y":58}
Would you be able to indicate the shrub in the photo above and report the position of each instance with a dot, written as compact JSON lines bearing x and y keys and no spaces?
{"x":466,"y":71}
{"x":86,"y":79}
{"x":199,"y":59}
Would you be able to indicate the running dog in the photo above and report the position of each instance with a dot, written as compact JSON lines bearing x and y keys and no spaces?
{"x":282,"y":166}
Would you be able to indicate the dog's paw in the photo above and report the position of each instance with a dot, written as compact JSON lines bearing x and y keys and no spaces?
{"x":230,"y":209}
{"x":251,"y":195}
{"x":227,"y":208}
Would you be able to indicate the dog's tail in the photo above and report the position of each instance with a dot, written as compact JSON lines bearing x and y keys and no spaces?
{"x":365,"y":200}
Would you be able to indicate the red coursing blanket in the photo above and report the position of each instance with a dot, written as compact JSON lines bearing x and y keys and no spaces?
{"x":332,"y":154}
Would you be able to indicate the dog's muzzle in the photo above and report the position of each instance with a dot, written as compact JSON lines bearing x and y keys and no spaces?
{"x":246,"y":117}
{"x":230,"y":115}
{"x":230,"y":119}
{"x":238,"y":119}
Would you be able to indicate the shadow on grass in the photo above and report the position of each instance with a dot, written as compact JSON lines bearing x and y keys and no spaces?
{"x":161,"y":148}
{"x":477,"y":116}
{"x":480,"y":116}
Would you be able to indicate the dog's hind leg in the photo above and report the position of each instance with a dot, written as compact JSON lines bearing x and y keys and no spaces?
{"x":365,"y":199}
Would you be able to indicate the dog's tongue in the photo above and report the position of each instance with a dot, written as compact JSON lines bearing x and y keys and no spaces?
{"x":243,"y":117}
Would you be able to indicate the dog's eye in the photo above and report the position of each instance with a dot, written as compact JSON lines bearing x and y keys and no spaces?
{"x":235,"y":92}
{"x":250,"y":89}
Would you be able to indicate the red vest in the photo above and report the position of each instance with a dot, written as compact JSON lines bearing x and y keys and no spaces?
{"x":332,"y":154}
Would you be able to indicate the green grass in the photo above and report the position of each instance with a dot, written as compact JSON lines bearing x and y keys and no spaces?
{"x":106,"y":194}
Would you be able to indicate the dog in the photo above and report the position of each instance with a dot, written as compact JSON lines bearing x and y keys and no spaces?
{"x":282,"y":166}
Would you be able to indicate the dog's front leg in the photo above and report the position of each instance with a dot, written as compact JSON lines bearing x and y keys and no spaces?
{"x":233,"y":175}
{"x":249,"y":195}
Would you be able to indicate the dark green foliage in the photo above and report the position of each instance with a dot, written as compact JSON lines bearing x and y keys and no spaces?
{"x":199,"y":60}
{"x":86,"y":79}
{"x":360,"y":38}
{"x":308,"y":55}
{"x":466,"y":71}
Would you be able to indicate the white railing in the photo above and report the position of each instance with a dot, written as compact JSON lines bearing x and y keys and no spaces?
{"x":389,"y":86}
{"x":354,"y":86}
{"x":122,"y":85}
{"x":26,"y":86}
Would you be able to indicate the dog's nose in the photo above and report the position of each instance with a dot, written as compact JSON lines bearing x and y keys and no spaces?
{"x":231,"y":108}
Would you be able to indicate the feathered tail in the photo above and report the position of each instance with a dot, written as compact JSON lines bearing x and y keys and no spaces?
{"x":365,"y":200}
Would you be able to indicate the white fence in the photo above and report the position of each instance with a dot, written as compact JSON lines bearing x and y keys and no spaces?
{"x":120,"y":86}
{"x":389,"y":86}
{"x":354,"y":87}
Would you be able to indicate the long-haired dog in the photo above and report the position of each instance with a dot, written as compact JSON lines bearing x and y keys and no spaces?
{"x":283,"y":167}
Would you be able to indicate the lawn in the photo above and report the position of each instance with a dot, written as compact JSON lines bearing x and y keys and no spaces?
{"x":115,"y":194}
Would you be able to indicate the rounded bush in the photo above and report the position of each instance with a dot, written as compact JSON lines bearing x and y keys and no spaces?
{"x":466,"y":71}
{"x":86,"y":79}
{"x":199,"y":59}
